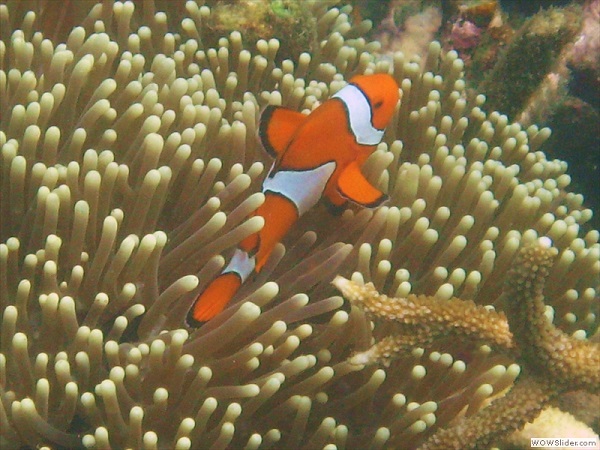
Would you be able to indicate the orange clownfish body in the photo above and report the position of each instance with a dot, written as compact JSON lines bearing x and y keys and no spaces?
{"x":319,"y":155}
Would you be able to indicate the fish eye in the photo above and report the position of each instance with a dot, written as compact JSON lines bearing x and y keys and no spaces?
{"x":378,"y":104}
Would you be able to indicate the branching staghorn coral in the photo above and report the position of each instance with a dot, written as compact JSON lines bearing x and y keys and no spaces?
{"x":418,"y":321}
{"x":553,"y":362}
{"x":129,"y":165}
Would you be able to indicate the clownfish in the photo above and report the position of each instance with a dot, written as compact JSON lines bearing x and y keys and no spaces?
{"x":319,"y":155}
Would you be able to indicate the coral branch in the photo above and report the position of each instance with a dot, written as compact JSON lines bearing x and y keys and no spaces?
{"x":521,"y":405}
{"x":552,"y":361}
{"x":419,"y":320}
{"x":547,"y":351}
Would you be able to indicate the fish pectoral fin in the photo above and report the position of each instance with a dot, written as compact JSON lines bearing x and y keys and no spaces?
{"x":277,"y":127}
{"x":353,"y":185}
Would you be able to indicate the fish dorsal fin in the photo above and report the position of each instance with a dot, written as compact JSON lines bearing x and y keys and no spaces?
{"x":277,"y":127}
{"x":353,"y":185}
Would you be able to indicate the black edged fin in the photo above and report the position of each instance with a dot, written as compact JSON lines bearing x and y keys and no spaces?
{"x":191,"y":322}
{"x":353,"y":185}
{"x":277,"y":127}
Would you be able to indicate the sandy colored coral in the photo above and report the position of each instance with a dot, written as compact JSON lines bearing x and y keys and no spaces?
{"x":129,"y":167}
{"x":418,"y":321}
{"x":552,"y":422}
{"x":524,"y":402}
{"x":565,"y":361}
{"x":553,"y":362}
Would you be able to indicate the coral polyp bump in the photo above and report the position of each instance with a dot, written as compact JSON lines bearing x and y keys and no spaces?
{"x":129,"y":166}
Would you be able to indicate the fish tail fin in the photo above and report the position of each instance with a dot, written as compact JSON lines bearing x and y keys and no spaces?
{"x":213,"y":299}
{"x":222,"y":289}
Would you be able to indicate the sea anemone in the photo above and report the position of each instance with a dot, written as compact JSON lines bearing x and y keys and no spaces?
{"x":129,"y":166}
